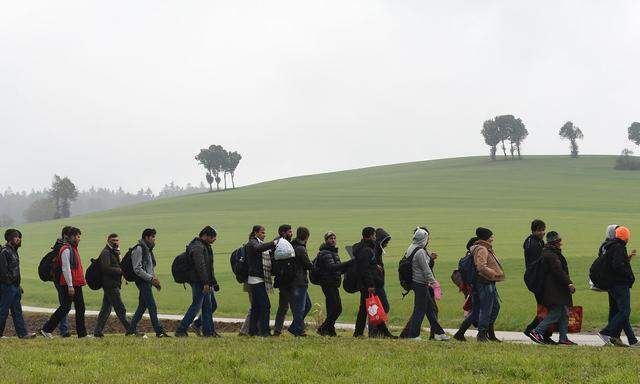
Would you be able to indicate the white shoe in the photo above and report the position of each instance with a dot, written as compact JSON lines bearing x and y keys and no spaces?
{"x":606,"y":339}
{"x":416,"y":338}
{"x":3,"y":337}
{"x":635,"y":346}
{"x":442,"y":337}
{"x":46,"y":335}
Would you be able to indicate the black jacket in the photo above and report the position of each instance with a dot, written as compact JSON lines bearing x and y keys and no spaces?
{"x":254,"y":256}
{"x":557,"y":280}
{"x":382,"y":237}
{"x":619,"y":262}
{"x":109,"y":261}
{"x":201,"y":254}
{"x":330,"y":267}
{"x":303,"y":264}
{"x":532,"y":250}
{"x":9,"y":265}
{"x":366,"y":265}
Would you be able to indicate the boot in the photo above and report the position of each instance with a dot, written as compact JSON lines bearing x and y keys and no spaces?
{"x":459,"y":336}
{"x":491,"y":335}
{"x":384,"y":331}
{"x":482,"y":337}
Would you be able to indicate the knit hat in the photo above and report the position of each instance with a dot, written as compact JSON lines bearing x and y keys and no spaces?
{"x":553,"y":237}
{"x":484,"y":233}
{"x":623,"y":234}
{"x":328,"y":235}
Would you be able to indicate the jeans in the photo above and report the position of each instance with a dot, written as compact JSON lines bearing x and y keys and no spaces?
{"x":200,"y":301}
{"x":244,"y":330}
{"x":488,"y":305}
{"x":260,"y":310}
{"x":556,"y":314}
{"x":111,"y":299}
{"x":65,"y":307}
{"x":621,"y":295}
{"x":145,"y":302}
{"x":64,"y":323}
{"x":300,"y":306}
{"x":198,"y":321}
{"x":334,"y":309}
{"x":361,"y":319}
{"x":423,"y":305}
{"x":284,"y":302}
{"x":10,"y":297}
{"x":628,"y":330}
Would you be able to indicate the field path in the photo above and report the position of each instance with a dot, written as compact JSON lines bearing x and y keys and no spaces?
{"x":513,"y":337}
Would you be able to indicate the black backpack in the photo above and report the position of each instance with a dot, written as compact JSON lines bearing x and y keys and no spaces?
{"x":46,"y":266}
{"x":315,"y":275}
{"x":182,"y":267}
{"x":240,"y":264}
{"x":600,"y":272}
{"x":126,"y":265}
{"x":283,"y":272}
{"x":467,"y":269}
{"x":534,"y":276}
{"x":405,"y":271}
{"x":350,"y":281}
{"x":93,"y":275}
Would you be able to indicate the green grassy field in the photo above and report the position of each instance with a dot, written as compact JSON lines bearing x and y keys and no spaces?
{"x":313,"y":360}
{"x":577,"y":197}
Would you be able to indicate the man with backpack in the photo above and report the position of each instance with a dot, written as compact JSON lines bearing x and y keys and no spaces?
{"x":256,"y":250}
{"x":203,"y":283}
{"x":466,"y":284}
{"x":489,"y":272}
{"x":284,"y":291}
{"x":144,"y":262}
{"x":109,"y":263}
{"x":621,"y":280}
{"x":533,"y":246}
{"x":71,"y":279}
{"x":423,"y":278}
{"x":10,"y":289}
{"x":556,"y":295}
{"x":48,"y":275}
{"x":300,"y":300}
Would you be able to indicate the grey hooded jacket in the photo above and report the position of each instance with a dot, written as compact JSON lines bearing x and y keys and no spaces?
{"x":422,"y":273}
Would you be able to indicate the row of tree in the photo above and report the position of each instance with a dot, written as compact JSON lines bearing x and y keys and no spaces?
{"x":218,"y":161}
{"x":626,"y":161}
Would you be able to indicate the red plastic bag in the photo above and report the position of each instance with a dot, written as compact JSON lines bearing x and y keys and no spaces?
{"x":375,"y":311}
{"x":575,"y":318}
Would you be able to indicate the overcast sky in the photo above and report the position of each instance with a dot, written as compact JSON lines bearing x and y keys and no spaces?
{"x":125,"y":93}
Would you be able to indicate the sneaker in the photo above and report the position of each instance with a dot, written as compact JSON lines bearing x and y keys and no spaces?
{"x":3,"y":337}
{"x":606,"y":339}
{"x":27,"y":336}
{"x":566,"y":342}
{"x":215,"y":335}
{"x":181,"y":334}
{"x":196,"y":330}
{"x":65,"y":335}
{"x":416,"y":338}
{"x":442,"y":337}
{"x":162,"y":335}
{"x":98,"y":335}
{"x":635,"y":345}
{"x":86,"y":337}
{"x":137,"y":334}
{"x":549,"y":341}
{"x":482,"y":337}
{"x":46,"y":335}
{"x":536,"y":337}
{"x":617,"y":342}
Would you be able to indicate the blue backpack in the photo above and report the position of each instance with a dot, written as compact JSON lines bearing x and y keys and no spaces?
{"x":467,"y":269}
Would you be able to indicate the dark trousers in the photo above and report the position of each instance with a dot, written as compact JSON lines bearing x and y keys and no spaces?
{"x":300,"y":307}
{"x":423,"y":305}
{"x":65,"y":307}
{"x":334,"y":308}
{"x":621,"y":295}
{"x":64,"y":323}
{"x":361,"y":319}
{"x":472,"y":318}
{"x":146,"y":302}
{"x":111,"y":299}
{"x":284,"y":302}
{"x":260,"y":310}
{"x":628,"y":330}
{"x":10,"y":297}
{"x":489,"y":305}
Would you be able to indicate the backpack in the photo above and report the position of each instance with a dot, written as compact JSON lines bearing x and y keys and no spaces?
{"x":600,"y":272}
{"x":405,"y":271}
{"x":93,"y":275}
{"x":467,"y":269}
{"x":350,"y":281}
{"x":46,"y":266}
{"x":240,"y":264}
{"x":126,"y":265}
{"x":534,"y":276}
{"x":315,"y":275}
{"x":283,"y":271}
{"x":181,"y":267}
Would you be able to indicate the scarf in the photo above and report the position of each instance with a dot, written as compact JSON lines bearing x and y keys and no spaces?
{"x":266,"y":269}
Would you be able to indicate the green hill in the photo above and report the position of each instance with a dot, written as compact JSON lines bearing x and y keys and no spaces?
{"x":576,"y":197}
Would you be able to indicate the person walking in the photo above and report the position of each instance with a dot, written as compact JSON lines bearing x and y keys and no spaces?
{"x":468,"y":290}
{"x":300,"y":300}
{"x":284,"y":291}
{"x":330,"y":269}
{"x":260,"y":304}
{"x":63,"y":327}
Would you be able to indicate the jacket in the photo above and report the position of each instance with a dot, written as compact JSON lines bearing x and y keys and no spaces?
{"x":421,"y":262}
{"x":254,"y":256}
{"x":201,"y":254}
{"x":487,"y":263}
{"x":143,"y":261}
{"x":109,"y":260}
{"x":71,"y":265}
{"x":303,"y":264}
{"x":9,"y":266}
{"x":366,"y":265}
{"x":330,"y":267}
{"x":532,"y":250}
{"x":556,"y":282}
{"x":382,"y":237}
{"x":619,"y":261}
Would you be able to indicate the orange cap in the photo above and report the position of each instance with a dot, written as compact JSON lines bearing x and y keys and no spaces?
{"x":623,"y":234}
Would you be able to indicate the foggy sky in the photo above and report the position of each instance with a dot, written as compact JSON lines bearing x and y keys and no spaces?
{"x":125,"y":93}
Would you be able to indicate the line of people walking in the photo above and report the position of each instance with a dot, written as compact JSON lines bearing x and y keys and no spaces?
{"x":284,"y":264}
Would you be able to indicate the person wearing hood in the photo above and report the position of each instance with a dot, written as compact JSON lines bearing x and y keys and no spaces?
{"x":472,"y":317}
{"x":203,"y":283}
{"x":144,"y":262}
{"x":489,"y":273}
{"x":623,"y":279}
{"x":57,"y":245}
{"x":423,"y":278}
{"x":558,"y":288}
{"x":330,"y":269}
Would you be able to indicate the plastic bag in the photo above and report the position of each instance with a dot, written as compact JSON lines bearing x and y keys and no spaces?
{"x":284,"y":250}
{"x":437,"y":291}
{"x":575,"y":318}
{"x":375,"y":311}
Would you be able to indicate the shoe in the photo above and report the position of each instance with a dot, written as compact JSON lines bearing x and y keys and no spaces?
{"x":548,"y":340}
{"x":213,"y":335}
{"x":98,"y":335}
{"x":618,"y":343}
{"x":277,"y":333}
{"x":358,"y":335}
{"x":606,"y":339}
{"x":65,"y":335}
{"x":162,"y":335}
{"x":482,"y":337}
{"x":491,"y":335}
{"x":536,"y":337}
{"x":86,"y":337}
{"x":136,"y":334}
{"x":634,"y":345}
{"x":196,"y":330}
{"x":566,"y":342}
{"x":3,"y":337}
{"x":182,"y":334}
{"x":46,"y":335}
{"x":27,"y":336}
{"x":459,"y":336}
{"x":442,"y":337}
{"x":415,"y":338}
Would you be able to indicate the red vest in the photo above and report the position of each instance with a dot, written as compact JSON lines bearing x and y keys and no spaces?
{"x":77,"y":273}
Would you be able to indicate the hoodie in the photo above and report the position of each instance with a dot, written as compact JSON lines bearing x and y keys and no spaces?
{"x":382,"y":236}
{"x":421,"y":271}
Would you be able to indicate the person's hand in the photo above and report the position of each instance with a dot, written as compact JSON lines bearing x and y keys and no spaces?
{"x":371,"y":290}
{"x":216,"y":287}
{"x":21,"y":290}
{"x":71,"y":291}
{"x":434,"y":255}
{"x":572,"y":288}
{"x":633,"y":254}
{"x":380,"y":268}
{"x":206,"y":289}
{"x":156,"y":283}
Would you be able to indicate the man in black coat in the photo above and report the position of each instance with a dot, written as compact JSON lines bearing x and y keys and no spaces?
{"x":330,"y":269}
